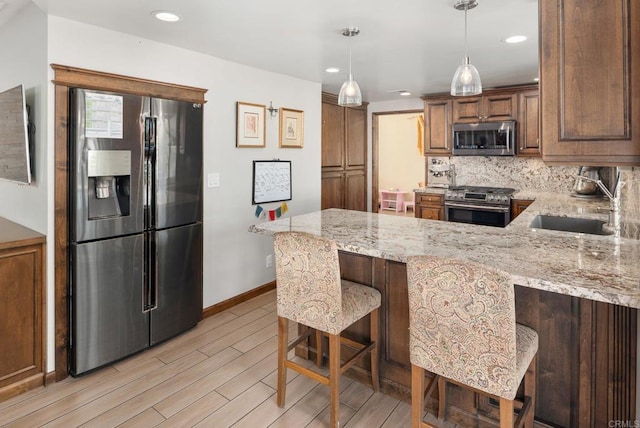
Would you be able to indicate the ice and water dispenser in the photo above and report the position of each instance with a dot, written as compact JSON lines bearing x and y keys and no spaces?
{"x":109,"y":184}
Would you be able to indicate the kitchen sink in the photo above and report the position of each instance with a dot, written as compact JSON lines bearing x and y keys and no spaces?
{"x":570,"y":224}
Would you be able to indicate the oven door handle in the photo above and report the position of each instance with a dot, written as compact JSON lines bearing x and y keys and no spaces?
{"x":478,"y":207}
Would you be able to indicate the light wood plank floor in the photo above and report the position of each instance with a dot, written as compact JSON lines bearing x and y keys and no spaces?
{"x":222,"y":373}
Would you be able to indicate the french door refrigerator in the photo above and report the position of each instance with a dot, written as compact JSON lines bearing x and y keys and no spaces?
{"x":135,"y":224}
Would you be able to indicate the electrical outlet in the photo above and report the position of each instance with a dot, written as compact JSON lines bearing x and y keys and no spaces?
{"x":269,"y":261}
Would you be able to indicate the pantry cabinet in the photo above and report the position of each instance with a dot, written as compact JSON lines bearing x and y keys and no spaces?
{"x":589,"y":96}
{"x":344,"y":155}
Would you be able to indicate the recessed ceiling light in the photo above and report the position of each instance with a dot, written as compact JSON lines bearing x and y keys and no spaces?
{"x":405,"y":93}
{"x":332,"y":70}
{"x":536,"y":79}
{"x":515,"y":39}
{"x":163,"y":15}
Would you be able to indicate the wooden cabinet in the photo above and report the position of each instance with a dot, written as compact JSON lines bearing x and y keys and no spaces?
{"x":589,"y":96}
{"x":437,"y":126}
{"x":528,"y":127}
{"x":519,"y":205}
{"x":344,"y":155}
{"x":492,"y":106}
{"x":22,"y":315}
{"x":430,"y":206}
{"x":519,"y":103}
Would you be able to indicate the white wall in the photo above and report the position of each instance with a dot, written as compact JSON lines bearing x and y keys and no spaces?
{"x":23,"y":48}
{"x":234,"y":259}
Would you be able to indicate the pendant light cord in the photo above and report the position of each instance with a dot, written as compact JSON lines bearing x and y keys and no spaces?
{"x":466,"y":8}
{"x":350,"y":75}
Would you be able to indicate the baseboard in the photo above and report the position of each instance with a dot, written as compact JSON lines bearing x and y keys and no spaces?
{"x":50,"y":378}
{"x":21,"y":386}
{"x":229,"y":303}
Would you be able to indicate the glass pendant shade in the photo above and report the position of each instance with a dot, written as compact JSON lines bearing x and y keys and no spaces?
{"x":466,"y":80}
{"x":350,"y":95}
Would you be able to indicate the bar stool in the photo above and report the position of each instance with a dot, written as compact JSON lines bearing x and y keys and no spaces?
{"x":310,"y":292}
{"x":462,"y":329}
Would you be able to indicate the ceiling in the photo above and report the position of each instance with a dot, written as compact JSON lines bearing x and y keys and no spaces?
{"x":412,"y":45}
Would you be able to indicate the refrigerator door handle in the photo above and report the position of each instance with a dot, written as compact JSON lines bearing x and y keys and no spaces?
{"x":150,"y":292}
{"x":150,"y":140}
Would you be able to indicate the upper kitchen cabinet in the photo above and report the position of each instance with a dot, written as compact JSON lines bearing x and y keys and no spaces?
{"x":589,"y":94}
{"x":528,"y":130}
{"x":495,"y":105}
{"x":344,"y":155}
{"x":437,"y":126}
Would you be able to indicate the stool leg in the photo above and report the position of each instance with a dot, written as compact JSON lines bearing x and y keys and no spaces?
{"x":283,"y":341}
{"x":506,"y":413}
{"x":334,"y":379}
{"x":530,"y":391}
{"x":318,"y":348}
{"x":442,"y":397}
{"x":417,"y":395}
{"x":375,"y":337}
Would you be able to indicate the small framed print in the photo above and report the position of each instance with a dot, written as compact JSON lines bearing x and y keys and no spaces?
{"x":250,"y":130}
{"x":291,"y":128}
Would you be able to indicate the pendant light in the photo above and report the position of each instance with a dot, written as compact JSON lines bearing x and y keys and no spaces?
{"x":350,"y":95}
{"x":466,"y":80}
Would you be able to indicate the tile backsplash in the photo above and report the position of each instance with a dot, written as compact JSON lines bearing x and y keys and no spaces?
{"x":531,"y":174}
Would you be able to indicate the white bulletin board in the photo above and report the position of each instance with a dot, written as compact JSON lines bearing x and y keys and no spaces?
{"x":271,"y":181}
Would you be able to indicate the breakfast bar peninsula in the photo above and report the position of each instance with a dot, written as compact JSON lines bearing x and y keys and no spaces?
{"x":579,"y":292}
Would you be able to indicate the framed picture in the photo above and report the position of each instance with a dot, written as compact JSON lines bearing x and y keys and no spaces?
{"x":250,"y":130}
{"x":291,"y":128}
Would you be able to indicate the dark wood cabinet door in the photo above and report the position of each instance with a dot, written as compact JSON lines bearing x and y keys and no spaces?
{"x":491,"y":107}
{"x":528,"y":130}
{"x":21,"y":319}
{"x":437,"y":127}
{"x":355,"y":190}
{"x":497,"y":107}
{"x":332,"y":190}
{"x":467,"y":109}
{"x":356,"y":126}
{"x":519,"y":205}
{"x":589,"y":96}
{"x":332,"y":135}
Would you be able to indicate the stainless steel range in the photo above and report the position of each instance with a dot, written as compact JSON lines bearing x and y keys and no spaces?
{"x":489,"y":206}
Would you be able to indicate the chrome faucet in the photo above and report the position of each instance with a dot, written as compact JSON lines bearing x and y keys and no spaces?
{"x":614,"y":200}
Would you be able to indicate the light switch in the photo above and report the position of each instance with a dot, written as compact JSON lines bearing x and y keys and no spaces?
{"x":213,"y":179}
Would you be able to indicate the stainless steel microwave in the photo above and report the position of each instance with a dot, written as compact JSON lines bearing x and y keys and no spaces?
{"x":484,"y":139}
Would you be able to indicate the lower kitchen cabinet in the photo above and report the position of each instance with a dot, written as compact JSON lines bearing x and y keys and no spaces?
{"x":22,"y":315}
{"x":519,"y":205}
{"x":430,"y":206}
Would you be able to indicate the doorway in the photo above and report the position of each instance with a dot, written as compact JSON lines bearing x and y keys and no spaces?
{"x":398,"y":161}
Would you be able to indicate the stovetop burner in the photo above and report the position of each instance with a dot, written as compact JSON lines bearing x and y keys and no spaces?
{"x":480,"y":195}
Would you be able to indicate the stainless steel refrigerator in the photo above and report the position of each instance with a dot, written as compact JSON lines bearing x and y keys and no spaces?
{"x":136,"y":224}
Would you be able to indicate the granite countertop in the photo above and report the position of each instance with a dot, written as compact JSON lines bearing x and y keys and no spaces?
{"x":602,"y":268}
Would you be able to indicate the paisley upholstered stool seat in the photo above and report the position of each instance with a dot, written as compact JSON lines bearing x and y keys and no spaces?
{"x":310,"y":292}
{"x":462,"y":329}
